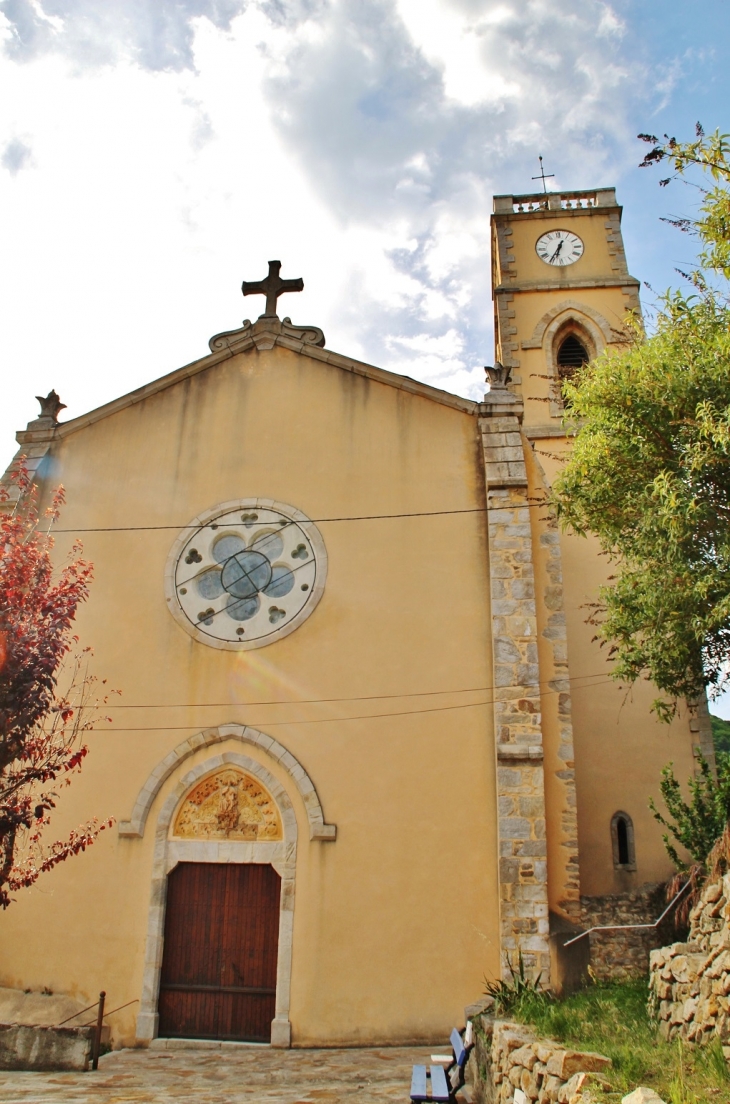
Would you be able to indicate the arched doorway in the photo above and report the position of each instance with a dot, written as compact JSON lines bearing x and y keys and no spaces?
{"x":218,"y":978}
{"x":227,"y":814}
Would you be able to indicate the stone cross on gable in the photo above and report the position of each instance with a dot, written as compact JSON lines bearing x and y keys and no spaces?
{"x":272,"y":287}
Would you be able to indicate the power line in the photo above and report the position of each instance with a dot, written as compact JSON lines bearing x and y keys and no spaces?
{"x":316,"y":521}
{"x":360,"y":697}
{"x":338,"y":720}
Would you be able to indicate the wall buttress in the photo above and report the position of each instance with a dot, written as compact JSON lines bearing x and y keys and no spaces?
{"x":524,"y":917}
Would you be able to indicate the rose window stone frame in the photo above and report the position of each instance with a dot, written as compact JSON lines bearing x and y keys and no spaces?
{"x":245,"y":573}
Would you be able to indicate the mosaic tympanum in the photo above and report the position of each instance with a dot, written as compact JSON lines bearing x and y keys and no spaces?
{"x":229,"y":805}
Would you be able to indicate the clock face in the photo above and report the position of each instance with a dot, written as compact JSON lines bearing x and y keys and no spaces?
{"x":559,"y":247}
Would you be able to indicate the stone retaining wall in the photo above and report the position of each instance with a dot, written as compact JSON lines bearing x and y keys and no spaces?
{"x":690,"y":982}
{"x":624,"y":954}
{"x":509,"y":1056}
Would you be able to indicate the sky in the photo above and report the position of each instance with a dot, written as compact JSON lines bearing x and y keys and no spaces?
{"x":155,"y":153}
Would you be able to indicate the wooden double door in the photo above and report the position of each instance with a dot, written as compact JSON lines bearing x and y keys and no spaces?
{"x":219,"y":959}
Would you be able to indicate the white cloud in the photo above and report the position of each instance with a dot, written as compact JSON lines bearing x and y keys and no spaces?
{"x":437,"y":357}
{"x":610,"y":23}
{"x":16,"y":155}
{"x":454,"y":44}
{"x":158,"y":34}
{"x":177,"y":147}
{"x":53,"y":21}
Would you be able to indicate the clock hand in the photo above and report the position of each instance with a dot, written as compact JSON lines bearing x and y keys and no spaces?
{"x":556,"y":254}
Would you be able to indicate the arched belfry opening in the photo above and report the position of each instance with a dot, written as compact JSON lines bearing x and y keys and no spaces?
{"x":572,"y":355}
{"x":570,"y":335}
{"x":572,"y":349}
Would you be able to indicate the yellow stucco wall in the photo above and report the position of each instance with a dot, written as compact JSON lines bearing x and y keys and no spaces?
{"x":395,"y":923}
{"x":620,"y":747}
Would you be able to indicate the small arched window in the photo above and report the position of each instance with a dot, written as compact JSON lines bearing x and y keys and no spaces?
{"x":622,"y":840}
{"x":572,"y":355}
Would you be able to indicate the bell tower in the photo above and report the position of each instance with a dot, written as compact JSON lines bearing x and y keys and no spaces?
{"x":561,"y":290}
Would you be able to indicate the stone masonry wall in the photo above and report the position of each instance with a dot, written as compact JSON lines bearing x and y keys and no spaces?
{"x":35,"y":443}
{"x":517,"y":721}
{"x":508,"y":1056}
{"x":623,"y":954}
{"x":690,"y":982}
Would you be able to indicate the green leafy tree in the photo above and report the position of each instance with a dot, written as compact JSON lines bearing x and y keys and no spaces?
{"x":649,"y":471}
{"x":696,"y":824}
{"x":711,"y":154}
{"x":720,"y":734}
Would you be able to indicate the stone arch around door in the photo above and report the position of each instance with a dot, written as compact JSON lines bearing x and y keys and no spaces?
{"x":318,"y":829}
{"x":281,"y":854}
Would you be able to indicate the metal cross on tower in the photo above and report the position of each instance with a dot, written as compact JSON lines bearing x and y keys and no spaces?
{"x":272,"y":287}
{"x":543,"y":176}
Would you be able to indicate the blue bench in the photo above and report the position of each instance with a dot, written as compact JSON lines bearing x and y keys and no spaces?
{"x":447,"y":1074}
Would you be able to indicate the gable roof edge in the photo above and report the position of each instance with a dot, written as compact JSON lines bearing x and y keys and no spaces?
{"x":382,"y":375}
{"x":234,"y":345}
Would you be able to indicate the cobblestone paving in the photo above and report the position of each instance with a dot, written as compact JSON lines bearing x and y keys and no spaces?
{"x":226,"y":1075}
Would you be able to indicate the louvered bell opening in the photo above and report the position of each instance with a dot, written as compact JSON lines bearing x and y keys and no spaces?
{"x":572,"y":355}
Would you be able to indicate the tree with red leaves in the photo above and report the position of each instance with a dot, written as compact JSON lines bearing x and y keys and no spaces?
{"x":46,"y":693}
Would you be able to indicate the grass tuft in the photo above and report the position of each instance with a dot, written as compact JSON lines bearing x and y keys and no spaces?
{"x":612,"y":1018}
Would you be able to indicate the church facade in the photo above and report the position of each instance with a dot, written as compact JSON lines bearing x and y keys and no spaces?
{"x":365,"y":745}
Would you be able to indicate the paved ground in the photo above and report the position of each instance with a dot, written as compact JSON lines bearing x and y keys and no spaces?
{"x":224,"y":1076}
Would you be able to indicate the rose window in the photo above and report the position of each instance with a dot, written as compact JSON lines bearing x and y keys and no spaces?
{"x":246,"y":573}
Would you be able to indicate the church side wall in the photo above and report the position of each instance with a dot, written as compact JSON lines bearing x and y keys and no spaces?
{"x":395,"y":923}
{"x":620,"y":747}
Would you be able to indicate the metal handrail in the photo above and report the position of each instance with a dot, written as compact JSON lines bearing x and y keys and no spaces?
{"x":117,"y":1009}
{"x":88,"y":1009}
{"x":627,"y":927}
{"x":98,"y":1023}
